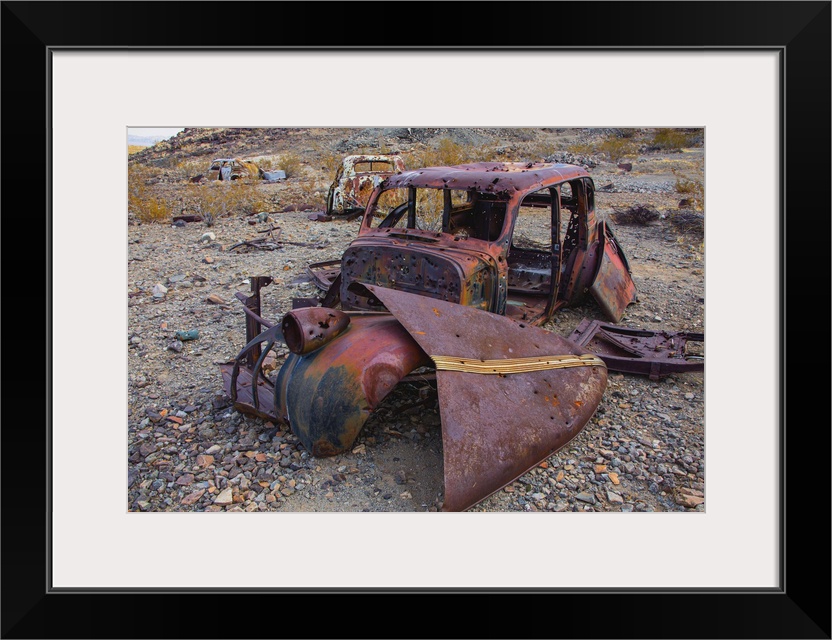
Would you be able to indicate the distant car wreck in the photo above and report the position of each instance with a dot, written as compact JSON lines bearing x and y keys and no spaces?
{"x":451,"y":271}
{"x":232,"y":169}
{"x":356,"y":179}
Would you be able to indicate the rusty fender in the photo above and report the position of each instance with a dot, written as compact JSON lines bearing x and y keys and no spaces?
{"x":327,"y":395}
{"x":510,"y":394}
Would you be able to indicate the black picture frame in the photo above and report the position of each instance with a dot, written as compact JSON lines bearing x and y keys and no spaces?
{"x":799,"y":608}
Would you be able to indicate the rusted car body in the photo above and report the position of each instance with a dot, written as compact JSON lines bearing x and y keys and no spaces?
{"x":356,"y":179}
{"x":450,"y":272}
{"x":232,"y":169}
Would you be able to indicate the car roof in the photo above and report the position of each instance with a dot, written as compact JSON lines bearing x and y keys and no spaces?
{"x":369,"y":157}
{"x":496,"y":177}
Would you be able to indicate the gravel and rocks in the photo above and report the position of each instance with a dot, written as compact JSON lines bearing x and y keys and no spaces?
{"x":189,"y":450}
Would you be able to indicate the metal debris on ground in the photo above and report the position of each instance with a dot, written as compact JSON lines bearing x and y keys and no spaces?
{"x":272,"y":241}
{"x":188,"y":218}
{"x":641,"y":351}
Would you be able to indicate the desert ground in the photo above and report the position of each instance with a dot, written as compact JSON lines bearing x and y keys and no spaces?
{"x":190,"y":450}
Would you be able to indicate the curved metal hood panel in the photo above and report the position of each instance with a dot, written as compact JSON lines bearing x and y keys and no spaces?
{"x":496,"y":427}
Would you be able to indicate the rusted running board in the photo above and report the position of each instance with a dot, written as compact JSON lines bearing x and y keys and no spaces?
{"x":652,"y":353}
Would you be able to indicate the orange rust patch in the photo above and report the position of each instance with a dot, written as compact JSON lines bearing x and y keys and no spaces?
{"x":578,"y":403}
{"x":436,"y":311}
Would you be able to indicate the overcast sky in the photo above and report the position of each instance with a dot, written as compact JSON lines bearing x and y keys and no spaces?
{"x":166,"y":132}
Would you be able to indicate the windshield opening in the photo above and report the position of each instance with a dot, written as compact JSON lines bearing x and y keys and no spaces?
{"x":461,"y":213}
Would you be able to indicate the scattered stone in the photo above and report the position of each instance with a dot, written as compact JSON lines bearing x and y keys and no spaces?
{"x":614,"y":498}
{"x":613,"y":477}
{"x":225,"y":497}
{"x":159,"y":291}
{"x":213,"y":449}
{"x":689,"y":501}
{"x":147,"y":448}
{"x":208,"y":237}
{"x":191,"y":498}
{"x":586,"y":497}
{"x":203,"y":460}
{"x":215,"y":299}
{"x":185,"y":479}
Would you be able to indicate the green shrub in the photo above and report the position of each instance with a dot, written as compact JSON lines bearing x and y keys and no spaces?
{"x":290,"y":163}
{"x":615,"y":147}
{"x":694,"y":190}
{"x":673,"y":139}
{"x":140,"y":201}
{"x":223,"y":199}
{"x":447,"y":153}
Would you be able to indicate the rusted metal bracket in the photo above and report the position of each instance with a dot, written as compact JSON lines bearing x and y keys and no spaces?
{"x":652,"y":353}
{"x":245,"y":382}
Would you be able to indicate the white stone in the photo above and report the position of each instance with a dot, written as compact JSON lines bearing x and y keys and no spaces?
{"x":614,"y":498}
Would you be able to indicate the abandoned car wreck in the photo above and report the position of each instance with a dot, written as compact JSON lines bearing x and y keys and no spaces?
{"x":356,"y":178}
{"x":451,"y":274}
